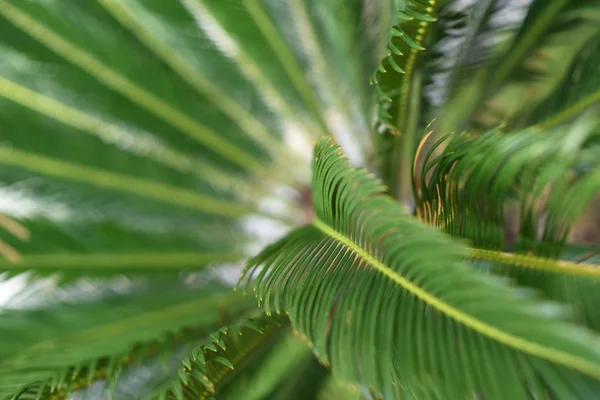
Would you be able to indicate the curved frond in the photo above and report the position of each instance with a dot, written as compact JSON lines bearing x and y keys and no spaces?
{"x":166,"y":123}
{"x":364,"y":281}
{"x":469,"y":34}
{"x":406,"y":40}
{"x":518,"y":48}
{"x":287,"y":371}
{"x":550,"y":176}
{"x":575,"y":282}
{"x":547,"y":179}
{"x":543,"y":19}
{"x":212,"y":364}
{"x":576,"y":92}
{"x":62,"y":346}
{"x":140,"y":378}
{"x":398,"y":83}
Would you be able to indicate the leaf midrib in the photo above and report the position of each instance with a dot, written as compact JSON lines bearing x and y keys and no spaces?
{"x":167,"y":261}
{"x":469,"y":321}
{"x":194,"y":77}
{"x":121,"y":84}
{"x":129,"y":324}
{"x":534,"y":262}
{"x":122,"y":183}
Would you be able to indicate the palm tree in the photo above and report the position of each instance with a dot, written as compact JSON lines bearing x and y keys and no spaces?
{"x":154,"y":154}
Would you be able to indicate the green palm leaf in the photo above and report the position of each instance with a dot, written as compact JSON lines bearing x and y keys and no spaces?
{"x":520,"y":50}
{"x":143,"y":137}
{"x":143,"y":132}
{"x":66,"y":345}
{"x":141,"y":379}
{"x":388,"y":302}
{"x":152,"y":139}
{"x":548,"y":179}
{"x":576,"y":92}
{"x":475,"y":179}
{"x":398,"y":83}
{"x":212,"y":364}
{"x":544,"y":19}
{"x":287,"y":370}
{"x":267,"y":361}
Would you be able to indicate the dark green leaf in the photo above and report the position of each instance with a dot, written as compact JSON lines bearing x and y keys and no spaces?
{"x":212,"y":365}
{"x":576,"y":92}
{"x":479,"y":184}
{"x":147,"y":129}
{"x":390,"y":304}
{"x":62,"y":345}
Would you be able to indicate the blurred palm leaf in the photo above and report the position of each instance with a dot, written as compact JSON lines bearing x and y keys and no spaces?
{"x":144,"y":136}
{"x":212,"y":364}
{"x":361,"y":259}
{"x":469,"y":35}
{"x":150,"y":137}
{"x":284,"y":369}
{"x":398,"y":81}
{"x":551,"y":177}
{"x":145,"y":120}
{"x":71,"y":343}
{"x":140,"y":379}
{"x":494,"y":57}
{"x":578,"y":90}
{"x":547,"y":180}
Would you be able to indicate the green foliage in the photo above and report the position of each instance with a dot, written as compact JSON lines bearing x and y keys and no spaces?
{"x":361,"y":258}
{"x":213,"y":363}
{"x":551,"y":176}
{"x":148,"y":148}
{"x":398,"y":84}
{"x":578,"y":90}
{"x":72,"y":343}
{"x":550,"y":180}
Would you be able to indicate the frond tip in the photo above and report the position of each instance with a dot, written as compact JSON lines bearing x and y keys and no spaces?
{"x":364,"y":280}
{"x":204,"y":373}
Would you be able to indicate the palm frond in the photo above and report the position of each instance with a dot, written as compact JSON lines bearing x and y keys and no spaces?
{"x":519,"y":44}
{"x":212,"y":364}
{"x":397,"y":82}
{"x":140,"y":379}
{"x":388,"y":302}
{"x":547,"y":180}
{"x":551,"y":177}
{"x":287,"y":370}
{"x":62,"y":346}
{"x":406,"y":40}
{"x":576,"y":92}
{"x":469,"y":37}
{"x":143,"y":132}
{"x":574,"y":283}
{"x":544,"y":19}
{"x":530,"y":68}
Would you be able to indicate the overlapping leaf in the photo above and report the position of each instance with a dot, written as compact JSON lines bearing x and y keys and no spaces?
{"x":212,"y":364}
{"x":546,"y":179}
{"x":253,"y":359}
{"x":576,"y":92}
{"x":398,"y":82}
{"x":65,"y":345}
{"x":468,"y":37}
{"x":287,"y":370}
{"x":389,"y":303}
{"x":520,"y":49}
{"x":132,"y":123}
